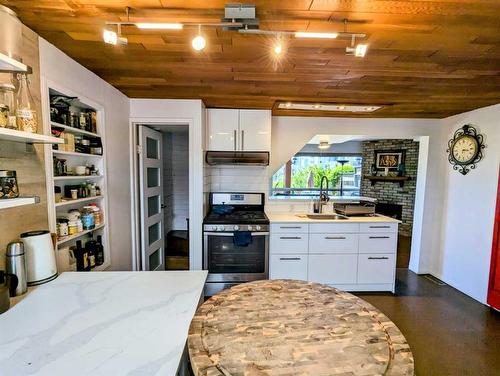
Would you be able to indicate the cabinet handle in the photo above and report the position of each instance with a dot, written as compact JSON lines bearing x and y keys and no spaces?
{"x":379,"y":237}
{"x":242,"y":140}
{"x":378,"y":258}
{"x":289,"y":227}
{"x":380,"y":226}
{"x":334,"y":237}
{"x":290,"y":237}
{"x":234,"y":134}
{"x":290,"y":258}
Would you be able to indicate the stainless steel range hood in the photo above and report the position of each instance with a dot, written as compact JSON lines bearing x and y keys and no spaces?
{"x":241,"y":158}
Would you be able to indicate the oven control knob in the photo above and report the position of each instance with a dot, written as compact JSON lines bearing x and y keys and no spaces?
{"x":236,"y":227}
{"x":250,"y":228}
{"x":220,"y":228}
{"x":258,"y":228}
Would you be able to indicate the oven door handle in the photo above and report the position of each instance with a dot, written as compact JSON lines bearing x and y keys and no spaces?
{"x":232,"y":234}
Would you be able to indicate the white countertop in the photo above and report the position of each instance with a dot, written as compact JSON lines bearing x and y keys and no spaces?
{"x":103,"y":323}
{"x":315,"y":197}
{"x":294,"y":217}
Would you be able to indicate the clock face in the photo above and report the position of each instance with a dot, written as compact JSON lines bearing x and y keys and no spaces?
{"x":465,"y":149}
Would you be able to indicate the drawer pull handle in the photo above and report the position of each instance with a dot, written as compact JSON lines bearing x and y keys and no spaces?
{"x":380,"y":226}
{"x":290,"y":258}
{"x":334,"y":237}
{"x":378,"y":258}
{"x":290,"y":237}
{"x":290,"y":227}
{"x":379,"y":237}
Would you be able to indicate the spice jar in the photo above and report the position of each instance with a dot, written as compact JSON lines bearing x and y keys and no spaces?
{"x":62,"y":227}
{"x":8,"y":184}
{"x":7,"y":106}
{"x":26,"y":113}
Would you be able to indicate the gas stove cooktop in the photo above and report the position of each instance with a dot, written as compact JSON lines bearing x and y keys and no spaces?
{"x":237,"y":217}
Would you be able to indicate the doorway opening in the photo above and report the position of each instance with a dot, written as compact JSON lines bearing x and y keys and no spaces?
{"x":163,"y":199}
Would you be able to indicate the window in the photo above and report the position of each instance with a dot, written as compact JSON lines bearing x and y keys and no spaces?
{"x":301,"y":176}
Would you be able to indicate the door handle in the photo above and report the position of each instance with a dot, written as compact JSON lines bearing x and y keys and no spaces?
{"x":290,"y":237}
{"x":163,"y":206}
{"x":242,"y":140}
{"x":234,"y":135}
{"x":334,"y":237}
{"x":378,"y":258}
{"x":379,"y":237}
{"x":290,"y":258}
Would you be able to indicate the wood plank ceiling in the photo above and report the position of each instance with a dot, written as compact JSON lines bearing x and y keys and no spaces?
{"x":425,"y":59}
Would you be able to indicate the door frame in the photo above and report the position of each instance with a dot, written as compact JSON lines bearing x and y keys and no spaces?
{"x":195,"y":185}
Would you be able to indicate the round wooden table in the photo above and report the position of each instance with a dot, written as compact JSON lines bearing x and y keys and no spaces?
{"x":285,"y":327}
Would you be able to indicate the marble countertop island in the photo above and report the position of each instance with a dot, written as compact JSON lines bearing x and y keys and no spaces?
{"x":105,"y":323}
{"x":298,"y":217}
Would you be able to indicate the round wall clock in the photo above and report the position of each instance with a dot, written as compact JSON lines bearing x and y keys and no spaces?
{"x":465,"y":149}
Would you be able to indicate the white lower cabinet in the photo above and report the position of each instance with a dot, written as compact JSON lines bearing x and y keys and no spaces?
{"x":291,"y":266}
{"x":376,"y":268}
{"x":350,"y":256}
{"x":333,"y":269}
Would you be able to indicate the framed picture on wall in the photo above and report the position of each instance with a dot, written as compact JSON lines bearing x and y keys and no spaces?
{"x":389,"y":159}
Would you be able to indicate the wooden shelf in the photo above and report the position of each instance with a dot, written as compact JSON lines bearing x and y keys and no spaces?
{"x":73,"y":130}
{"x":27,"y":137}
{"x":76,"y":154}
{"x":394,"y":179}
{"x":20,"y":201}
{"x":79,"y":235}
{"x":10,"y":65}
{"x":78,"y":177}
{"x":77,"y":201}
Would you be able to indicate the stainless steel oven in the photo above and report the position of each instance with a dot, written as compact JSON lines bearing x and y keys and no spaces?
{"x":229,"y":264}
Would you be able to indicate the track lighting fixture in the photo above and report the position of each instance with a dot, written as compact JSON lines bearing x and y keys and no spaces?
{"x":198,"y":41}
{"x":159,"y":26}
{"x":110,"y":37}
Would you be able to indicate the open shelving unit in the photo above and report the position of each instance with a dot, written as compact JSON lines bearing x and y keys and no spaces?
{"x":73,"y":159}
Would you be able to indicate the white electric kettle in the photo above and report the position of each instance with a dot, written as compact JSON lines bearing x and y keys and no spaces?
{"x":40,"y":257}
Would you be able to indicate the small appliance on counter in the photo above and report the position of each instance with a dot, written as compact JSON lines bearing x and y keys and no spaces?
{"x":15,"y":264}
{"x":40,"y":257}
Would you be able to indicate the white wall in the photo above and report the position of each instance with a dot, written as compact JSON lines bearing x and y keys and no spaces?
{"x":61,"y":69}
{"x":469,"y":207}
{"x":192,"y":112}
{"x":180,"y":180}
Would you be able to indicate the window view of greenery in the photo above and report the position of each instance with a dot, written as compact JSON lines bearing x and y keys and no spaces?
{"x":301,"y":176}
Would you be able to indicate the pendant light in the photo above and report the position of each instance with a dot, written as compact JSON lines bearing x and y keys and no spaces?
{"x":198,"y":41}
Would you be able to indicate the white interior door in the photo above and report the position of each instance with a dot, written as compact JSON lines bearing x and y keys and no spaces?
{"x":151,"y":199}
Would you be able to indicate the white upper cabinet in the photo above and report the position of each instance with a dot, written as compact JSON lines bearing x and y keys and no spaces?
{"x":222,"y":129}
{"x":255,"y":130}
{"x":239,"y":130}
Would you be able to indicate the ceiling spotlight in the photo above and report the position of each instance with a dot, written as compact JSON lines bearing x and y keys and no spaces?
{"x":360,"y":50}
{"x":110,"y":37}
{"x":323,"y":145}
{"x":305,"y":34}
{"x":278,"y":49}
{"x":288,"y":104}
{"x":316,"y":106}
{"x":159,"y":26}
{"x":198,"y":43}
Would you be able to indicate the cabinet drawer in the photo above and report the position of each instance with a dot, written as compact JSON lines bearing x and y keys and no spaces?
{"x":289,"y":266}
{"x":378,"y":227}
{"x":333,"y":243}
{"x":376,"y":268}
{"x":289,"y":228}
{"x":332,"y":269}
{"x":289,"y":243}
{"x":325,"y":228}
{"x":378,"y":242}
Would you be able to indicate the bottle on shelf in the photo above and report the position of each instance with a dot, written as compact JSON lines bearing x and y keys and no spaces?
{"x":26,"y":113}
{"x":82,"y":258}
{"x":99,"y":251}
{"x":90,"y":247}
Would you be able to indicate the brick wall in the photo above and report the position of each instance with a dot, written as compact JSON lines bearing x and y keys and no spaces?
{"x":389,"y":192}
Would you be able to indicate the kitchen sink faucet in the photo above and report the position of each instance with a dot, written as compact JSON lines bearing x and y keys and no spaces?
{"x":323,"y":194}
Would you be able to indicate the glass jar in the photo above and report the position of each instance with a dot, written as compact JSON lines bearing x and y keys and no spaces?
{"x":26,"y":112}
{"x":72,"y":227}
{"x":88,"y":218}
{"x":8,"y":184}
{"x":7,"y":106}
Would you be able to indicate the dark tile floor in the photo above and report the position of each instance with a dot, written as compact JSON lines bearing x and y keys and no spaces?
{"x":449,"y":333}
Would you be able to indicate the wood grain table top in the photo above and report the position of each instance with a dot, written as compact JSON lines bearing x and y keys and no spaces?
{"x":286,"y":327}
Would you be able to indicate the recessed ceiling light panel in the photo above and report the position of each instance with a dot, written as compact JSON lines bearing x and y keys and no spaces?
{"x":328,"y":107}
